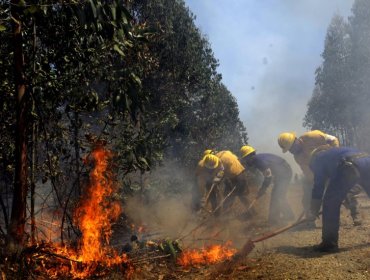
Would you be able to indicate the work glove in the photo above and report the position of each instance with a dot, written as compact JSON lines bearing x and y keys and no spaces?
{"x":218,"y":177}
{"x":314,"y":209}
{"x":216,"y":180}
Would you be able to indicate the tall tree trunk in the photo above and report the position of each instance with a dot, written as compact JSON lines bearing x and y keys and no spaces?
{"x":18,"y":215}
{"x":33,"y":153}
{"x":33,"y":184}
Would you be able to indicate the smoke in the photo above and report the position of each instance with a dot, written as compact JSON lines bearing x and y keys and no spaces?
{"x":268,"y":53}
{"x":168,"y":216}
{"x":171,"y":218}
{"x":164,"y":209}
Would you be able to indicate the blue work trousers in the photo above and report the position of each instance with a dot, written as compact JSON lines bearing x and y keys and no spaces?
{"x":343,"y":179}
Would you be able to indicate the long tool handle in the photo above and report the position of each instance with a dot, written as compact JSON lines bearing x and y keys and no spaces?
{"x":250,"y":206}
{"x":280,"y":230}
{"x":223,"y":201}
{"x":209,"y":193}
{"x":212,"y":212}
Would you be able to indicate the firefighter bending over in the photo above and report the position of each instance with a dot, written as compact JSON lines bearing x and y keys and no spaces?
{"x":203,"y":183}
{"x":278,"y":173}
{"x":344,"y":168}
{"x":223,"y":166}
{"x":301,"y":148}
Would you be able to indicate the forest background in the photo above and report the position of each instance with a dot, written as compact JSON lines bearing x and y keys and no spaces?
{"x":140,"y":77}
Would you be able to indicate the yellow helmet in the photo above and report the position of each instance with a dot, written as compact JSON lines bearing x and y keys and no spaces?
{"x":207,"y":152}
{"x":211,"y":161}
{"x":286,"y":140}
{"x":246,"y":150}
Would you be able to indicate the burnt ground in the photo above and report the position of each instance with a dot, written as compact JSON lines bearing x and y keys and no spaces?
{"x":288,"y":255}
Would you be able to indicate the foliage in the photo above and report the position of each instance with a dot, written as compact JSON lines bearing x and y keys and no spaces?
{"x":331,"y":90}
{"x":137,"y":75}
{"x":82,"y":63}
{"x":341,"y":96}
{"x":200,"y":111}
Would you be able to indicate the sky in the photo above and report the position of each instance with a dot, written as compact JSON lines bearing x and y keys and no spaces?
{"x":268,"y":52}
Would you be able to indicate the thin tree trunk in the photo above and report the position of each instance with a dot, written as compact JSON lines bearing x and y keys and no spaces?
{"x":18,"y":215}
{"x":34,"y":147}
{"x":33,"y":184}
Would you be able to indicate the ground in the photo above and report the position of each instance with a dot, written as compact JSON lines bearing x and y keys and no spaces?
{"x":288,"y":255}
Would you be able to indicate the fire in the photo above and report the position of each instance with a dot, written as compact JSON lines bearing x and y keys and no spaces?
{"x":96,"y":212}
{"x":94,"y":216}
{"x":207,"y":255}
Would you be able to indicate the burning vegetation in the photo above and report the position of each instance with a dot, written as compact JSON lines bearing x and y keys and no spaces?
{"x":96,"y":213}
{"x":207,"y":255}
{"x":94,"y":217}
{"x":92,"y":255}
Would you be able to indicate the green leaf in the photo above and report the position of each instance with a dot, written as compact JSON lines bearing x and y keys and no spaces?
{"x":44,"y":9}
{"x":2,"y":28}
{"x":143,"y":162}
{"x":136,"y":79}
{"x":117,"y":49}
{"x":128,"y":43}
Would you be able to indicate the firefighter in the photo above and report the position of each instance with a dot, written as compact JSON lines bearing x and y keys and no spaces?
{"x":223,"y":166}
{"x":344,"y":168}
{"x":276,"y":172}
{"x":203,"y":181}
{"x":302,"y":148}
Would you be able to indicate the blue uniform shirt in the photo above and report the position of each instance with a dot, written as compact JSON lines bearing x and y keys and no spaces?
{"x":325,"y":164}
{"x":264,"y":161}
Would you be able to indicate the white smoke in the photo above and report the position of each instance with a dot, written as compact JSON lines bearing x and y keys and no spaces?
{"x":268,"y":53}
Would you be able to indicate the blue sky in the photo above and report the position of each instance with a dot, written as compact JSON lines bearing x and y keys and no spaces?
{"x":268,"y":51}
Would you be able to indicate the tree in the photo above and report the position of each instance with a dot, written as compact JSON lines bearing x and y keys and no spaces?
{"x":139,"y":76}
{"x":79,"y":59}
{"x":200,"y":111}
{"x":359,"y":64}
{"x":343,"y":80}
{"x":329,"y":108}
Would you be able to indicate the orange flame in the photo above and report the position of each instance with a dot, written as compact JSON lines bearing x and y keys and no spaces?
{"x":94,"y":216}
{"x":207,"y":255}
{"x":96,"y":212}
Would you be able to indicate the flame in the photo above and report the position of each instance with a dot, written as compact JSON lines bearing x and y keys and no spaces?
{"x":96,"y":212}
{"x":207,"y":255}
{"x":94,"y":216}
